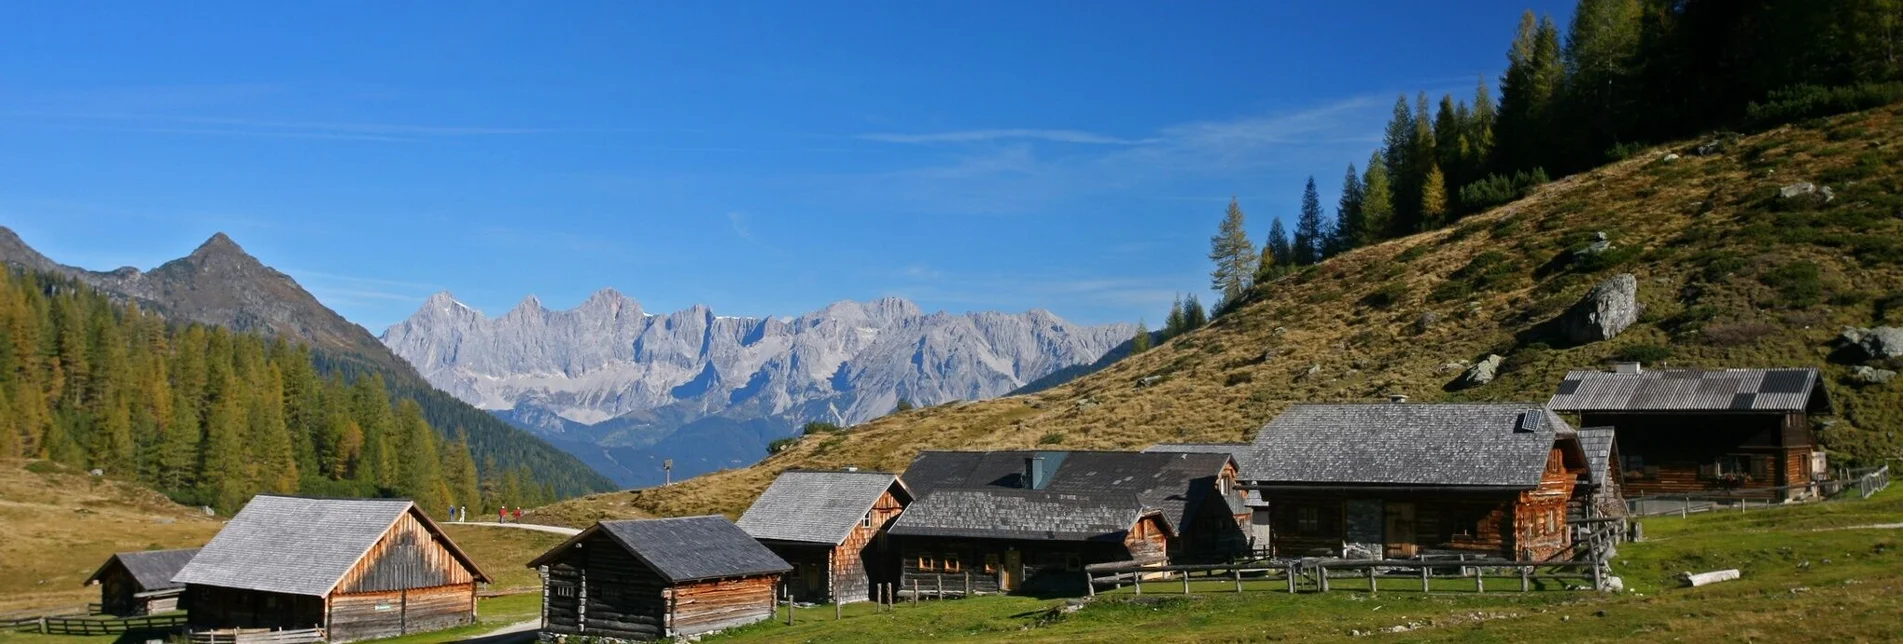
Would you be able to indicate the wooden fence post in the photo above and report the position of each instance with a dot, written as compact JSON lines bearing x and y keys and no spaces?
{"x":914,"y":591}
{"x":1424,"y":577}
{"x":941,"y":586}
{"x":1185,"y":581}
{"x":1321,"y":572}
{"x":789,"y":606}
{"x":1238,"y":573}
{"x":968,"y":583}
{"x":1373,"y":585}
{"x":1136,"y":581}
{"x":1291,"y":578}
{"x":1480,"y":580}
{"x":1090,"y":584}
{"x":1526,"y":578}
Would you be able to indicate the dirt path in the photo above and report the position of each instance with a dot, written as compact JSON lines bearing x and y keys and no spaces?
{"x":518,"y":632}
{"x":524,"y":526}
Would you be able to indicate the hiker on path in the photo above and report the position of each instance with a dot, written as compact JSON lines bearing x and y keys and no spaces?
{"x":502,"y":515}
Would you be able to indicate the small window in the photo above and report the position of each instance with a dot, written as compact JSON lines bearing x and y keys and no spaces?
{"x":1308,"y":520}
{"x":1072,"y":562}
{"x":954,"y":563}
{"x":866,"y":521}
{"x":927,"y":563}
{"x":1222,"y":486}
{"x":991,"y":563}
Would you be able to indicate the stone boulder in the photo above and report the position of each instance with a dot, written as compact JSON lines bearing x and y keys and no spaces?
{"x":1805,"y":190}
{"x":1612,"y":306}
{"x":1481,"y":372}
{"x":1426,"y":321}
{"x":1871,"y":375}
{"x":1880,"y":343}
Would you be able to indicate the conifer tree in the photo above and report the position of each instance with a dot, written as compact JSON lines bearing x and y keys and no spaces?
{"x":1279,"y":245}
{"x":1600,"y":76}
{"x":1480,"y":129}
{"x":1175,"y":324}
{"x":1234,"y":256}
{"x":179,"y":449}
{"x":1433,"y":199}
{"x":1140,"y":342}
{"x":1377,"y":201}
{"x":1309,"y":235}
{"x":1397,"y":150}
{"x":272,"y":454}
{"x":459,"y":471}
{"x":224,"y":473}
{"x":1350,"y":225}
{"x":1194,"y":317}
{"x":1421,"y":163}
{"x":420,"y":460}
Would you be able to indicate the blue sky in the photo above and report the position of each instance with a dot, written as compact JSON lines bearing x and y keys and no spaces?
{"x":761,"y":158}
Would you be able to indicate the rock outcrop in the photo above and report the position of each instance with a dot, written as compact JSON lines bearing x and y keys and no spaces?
{"x":1481,"y":372}
{"x":1880,"y":343}
{"x":1607,"y":310}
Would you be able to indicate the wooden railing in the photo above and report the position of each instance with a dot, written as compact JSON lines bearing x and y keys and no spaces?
{"x":1857,"y":484}
{"x":1325,"y":575}
{"x":94,"y":626}
{"x":258,"y":636}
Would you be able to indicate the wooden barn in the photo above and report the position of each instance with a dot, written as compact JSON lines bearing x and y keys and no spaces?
{"x":1688,"y":430}
{"x":656,"y":578}
{"x":140,"y":583}
{"x":830,"y":526}
{"x":1398,"y":480}
{"x":1029,"y":521}
{"x":355,"y":568}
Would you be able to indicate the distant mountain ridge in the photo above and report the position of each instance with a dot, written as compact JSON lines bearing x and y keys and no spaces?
{"x":625,"y":388}
{"x":219,"y":284}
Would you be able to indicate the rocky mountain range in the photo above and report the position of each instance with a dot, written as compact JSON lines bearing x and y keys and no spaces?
{"x":625,"y":389}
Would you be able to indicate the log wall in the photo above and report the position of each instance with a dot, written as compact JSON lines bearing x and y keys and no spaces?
{"x":933,"y":563}
{"x":390,"y":613}
{"x":703,"y":606}
{"x":1539,"y":520}
{"x":1675,"y":453}
{"x":116,"y":588}
{"x":1478,"y":523}
{"x":600,"y":590}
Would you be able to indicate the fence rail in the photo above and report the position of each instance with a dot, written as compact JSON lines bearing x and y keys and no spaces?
{"x":258,"y":636}
{"x":48,"y":625}
{"x":1859,"y":484}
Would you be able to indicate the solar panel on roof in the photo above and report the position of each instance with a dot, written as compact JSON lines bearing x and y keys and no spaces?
{"x":1743,"y":401}
{"x":1785,"y":381}
{"x":1568,"y":387}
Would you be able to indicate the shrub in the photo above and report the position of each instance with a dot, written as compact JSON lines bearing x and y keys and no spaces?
{"x":1497,"y":189}
{"x":1644,"y":353}
{"x":1412,"y":253}
{"x":1052,"y":438}
{"x":1800,"y":283}
{"x":1800,"y":102}
{"x":819,"y":427}
{"x":1388,"y":295}
{"x":1612,"y":258}
{"x":1718,"y":264}
{"x":781,"y":445}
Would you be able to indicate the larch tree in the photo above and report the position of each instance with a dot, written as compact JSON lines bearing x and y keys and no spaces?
{"x":1433,"y":199}
{"x":1377,"y":201}
{"x":1234,"y":257}
{"x":1140,"y":342}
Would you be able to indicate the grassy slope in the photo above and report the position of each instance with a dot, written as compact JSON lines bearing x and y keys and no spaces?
{"x":1848,"y":591}
{"x":1705,"y":236}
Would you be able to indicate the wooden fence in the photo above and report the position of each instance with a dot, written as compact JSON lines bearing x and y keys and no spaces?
{"x":94,"y":626}
{"x":257,"y":636}
{"x":1857,"y":484}
{"x":1325,"y":575}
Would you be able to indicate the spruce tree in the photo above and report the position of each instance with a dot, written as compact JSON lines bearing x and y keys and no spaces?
{"x":459,"y":471}
{"x":1279,"y":245}
{"x":1599,"y":59}
{"x":420,"y":460}
{"x":1377,"y":201}
{"x":223,"y":475}
{"x":1308,"y":227}
{"x":1480,"y":129}
{"x":273,"y":458}
{"x":1421,"y":164}
{"x":1234,"y":257}
{"x":1350,"y":224}
{"x":1174,"y":324}
{"x":1140,"y":342}
{"x":1194,"y":317}
{"x":1397,"y":150}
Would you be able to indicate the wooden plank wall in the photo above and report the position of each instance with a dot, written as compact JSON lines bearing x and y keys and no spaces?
{"x":1148,"y":541}
{"x":1665,"y":451}
{"x":809,"y":579}
{"x":703,"y":606}
{"x":389,"y":613}
{"x":1444,"y":522}
{"x":864,"y":556}
{"x":601,"y":590}
{"x":407,"y":556}
{"x":1048,"y":566}
{"x":1539,"y":517}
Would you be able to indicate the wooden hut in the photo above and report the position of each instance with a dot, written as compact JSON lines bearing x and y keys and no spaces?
{"x":1396,"y":480}
{"x":354,"y":568}
{"x":1029,"y":521}
{"x":830,"y":526}
{"x":1689,"y":431}
{"x":656,"y":578}
{"x":140,"y":583}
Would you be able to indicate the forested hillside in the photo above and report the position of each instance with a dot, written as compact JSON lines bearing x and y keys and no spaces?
{"x":210,"y":416}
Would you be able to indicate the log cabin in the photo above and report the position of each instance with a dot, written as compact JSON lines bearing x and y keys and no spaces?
{"x":1030,"y":520}
{"x":1400,"y":480}
{"x":1258,"y":510}
{"x":1681,"y":431}
{"x":355,"y":568}
{"x":140,"y":583}
{"x":831,"y":527}
{"x":654,"y":579}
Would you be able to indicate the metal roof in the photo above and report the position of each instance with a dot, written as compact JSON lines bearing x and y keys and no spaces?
{"x":1779,"y":390}
{"x":817,"y":507}
{"x":684,"y":549}
{"x":1439,"y":445}
{"x":1175,"y":483}
{"x":301,"y":546}
{"x":1021,"y":514}
{"x":151,"y":569}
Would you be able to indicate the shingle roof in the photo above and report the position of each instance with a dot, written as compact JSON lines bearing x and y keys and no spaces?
{"x":152,"y":569}
{"x":684,"y":549}
{"x":818,"y":507}
{"x":1021,"y":514}
{"x":1238,"y":451}
{"x":1175,"y":483}
{"x":1691,"y":390}
{"x":300,"y":546}
{"x":1503,"y":444}
{"x":1597,"y":443}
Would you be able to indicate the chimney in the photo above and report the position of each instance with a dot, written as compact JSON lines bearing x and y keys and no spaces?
{"x":1034,"y":472}
{"x":1397,"y":398}
{"x":1627,"y":367}
{"x":852,"y":468}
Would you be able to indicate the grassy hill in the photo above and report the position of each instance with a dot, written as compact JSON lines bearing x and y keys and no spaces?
{"x":1729,"y":275}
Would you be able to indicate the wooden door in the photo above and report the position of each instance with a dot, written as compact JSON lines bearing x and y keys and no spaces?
{"x":1013,"y":570}
{"x":813,"y":577}
{"x":1400,"y":529}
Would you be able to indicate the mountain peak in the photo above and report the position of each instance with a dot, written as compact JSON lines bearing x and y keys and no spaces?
{"x":219,"y":244}
{"x":529,"y":303}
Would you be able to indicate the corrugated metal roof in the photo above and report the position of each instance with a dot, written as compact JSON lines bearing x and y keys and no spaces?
{"x":300,"y":546}
{"x":152,"y":569}
{"x":818,"y":507}
{"x":1407,"y":444}
{"x":1780,"y":390}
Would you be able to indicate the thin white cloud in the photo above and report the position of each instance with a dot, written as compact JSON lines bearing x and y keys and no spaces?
{"x":980,"y":136}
